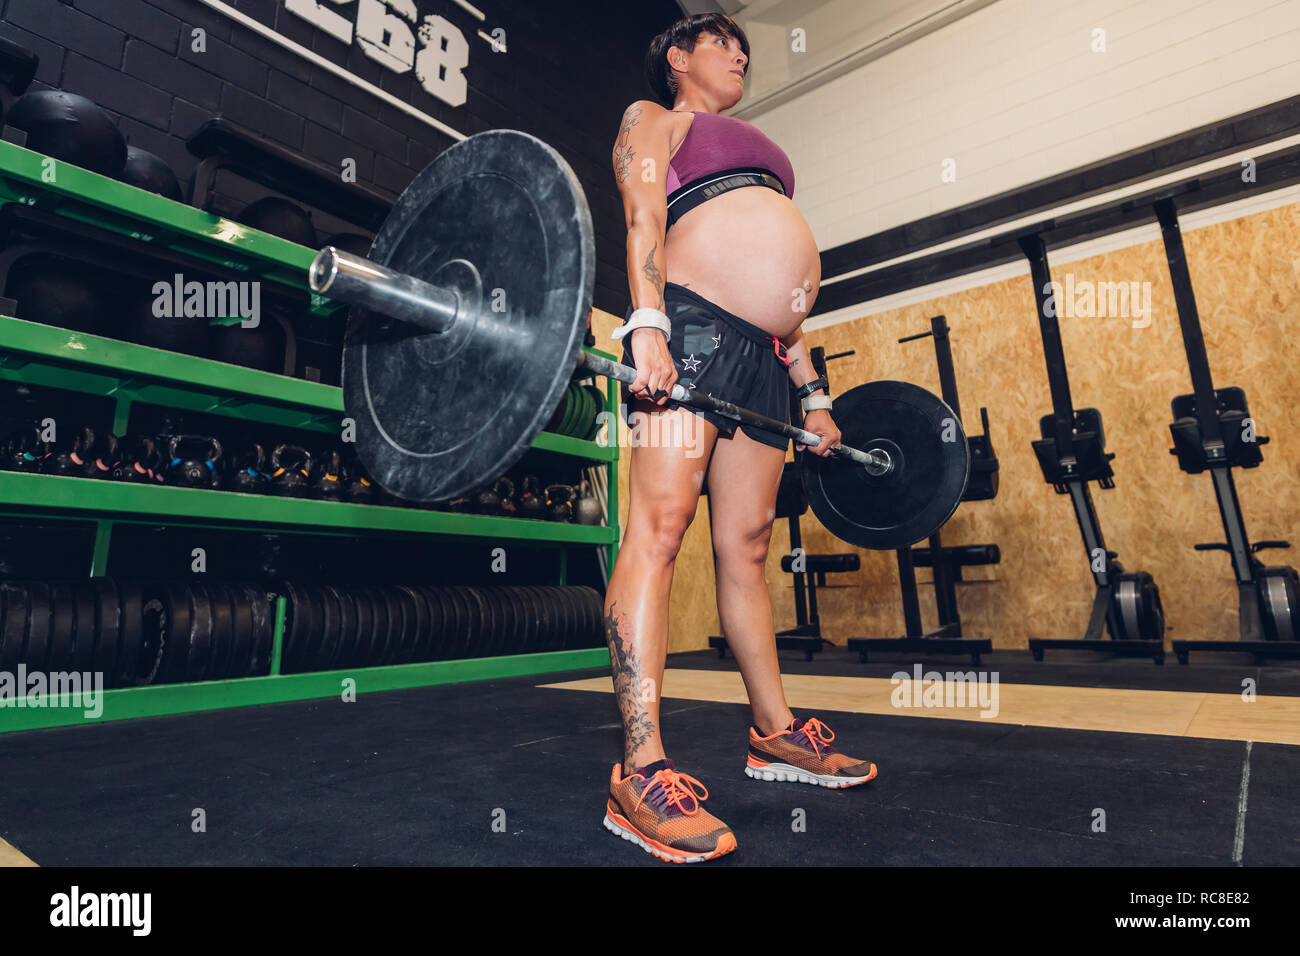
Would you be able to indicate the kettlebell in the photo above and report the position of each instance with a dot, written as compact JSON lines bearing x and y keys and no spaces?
{"x":327,"y":476}
{"x":559,"y":502}
{"x":588,"y":510}
{"x":505,"y":490}
{"x":290,"y":471}
{"x":531,"y":503}
{"x":359,"y":488}
{"x":106,"y":452}
{"x":72,"y":456}
{"x":139,"y":461}
{"x":249,"y":475}
{"x":194,"y":461}
{"x":487,"y":502}
{"x":24,"y":451}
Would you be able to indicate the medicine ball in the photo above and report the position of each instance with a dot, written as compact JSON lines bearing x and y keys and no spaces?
{"x":146,"y":171}
{"x":59,"y":292}
{"x":260,"y":347}
{"x":352,"y":242}
{"x":71,"y":128}
{"x":280,"y":218}
{"x":135,"y":321}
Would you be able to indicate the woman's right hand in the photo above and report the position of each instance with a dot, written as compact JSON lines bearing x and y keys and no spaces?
{"x":655,"y":373}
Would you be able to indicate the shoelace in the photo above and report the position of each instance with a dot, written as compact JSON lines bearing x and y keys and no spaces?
{"x":676,"y":786}
{"x":812,"y":729}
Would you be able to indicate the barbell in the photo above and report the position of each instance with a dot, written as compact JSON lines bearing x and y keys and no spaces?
{"x":466,"y":328}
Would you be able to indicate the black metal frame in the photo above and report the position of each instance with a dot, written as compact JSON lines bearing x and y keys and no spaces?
{"x":946,"y":562}
{"x":1245,"y":565}
{"x":1074,"y":479}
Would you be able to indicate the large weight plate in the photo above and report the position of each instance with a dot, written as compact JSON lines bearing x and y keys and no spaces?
{"x":38,"y":625}
{"x":931,"y":464}
{"x":439,"y":414}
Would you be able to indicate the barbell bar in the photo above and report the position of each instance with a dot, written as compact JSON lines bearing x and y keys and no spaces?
{"x":404,"y":298}
{"x":467,"y":325}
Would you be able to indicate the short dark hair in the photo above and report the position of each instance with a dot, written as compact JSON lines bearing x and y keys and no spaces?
{"x":683,"y":34}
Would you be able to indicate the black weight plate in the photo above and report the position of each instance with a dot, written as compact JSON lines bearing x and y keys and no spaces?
{"x":480,"y":623}
{"x":454,"y":625}
{"x":241,"y":621}
{"x":422,"y":638}
{"x":365,"y":626}
{"x":262,"y":606}
{"x":132,"y":641}
{"x":541,"y":638}
{"x":200,"y":659}
{"x":348,"y":634}
{"x":555,"y":595}
{"x":154,"y":621}
{"x":83,"y":652}
{"x":931,"y":465}
{"x":588,"y":599}
{"x":176,"y":634}
{"x":439,"y":414}
{"x":473,"y":621}
{"x":298,"y":623}
{"x":410,"y":635}
{"x":444,"y":622}
{"x":527,"y":620}
{"x":63,"y":614}
{"x":331,"y":629}
{"x":13,"y":632}
{"x":569,"y":604}
{"x":386,"y":624}
{"x":108,"y":628}
{"x":512,"y":637}
{"x":223,"y":631}
{"x":381,"y":627}
{"x":39,"y":614}
{"x":508,"y":620}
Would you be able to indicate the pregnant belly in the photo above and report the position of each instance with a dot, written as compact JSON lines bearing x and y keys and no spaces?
{"x":750,"y":252}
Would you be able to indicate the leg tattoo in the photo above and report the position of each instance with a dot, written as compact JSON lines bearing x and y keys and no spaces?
{"x":638,"y":728}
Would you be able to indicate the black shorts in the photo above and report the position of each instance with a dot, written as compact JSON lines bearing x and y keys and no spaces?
{"x":724,"y":356}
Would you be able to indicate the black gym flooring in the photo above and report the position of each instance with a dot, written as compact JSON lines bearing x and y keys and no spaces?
{"x":417,"y":777}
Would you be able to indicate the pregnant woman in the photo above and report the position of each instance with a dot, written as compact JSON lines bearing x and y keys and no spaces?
{"x":722,"y":270}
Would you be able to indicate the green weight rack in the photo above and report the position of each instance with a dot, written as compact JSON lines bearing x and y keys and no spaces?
{"x":74,"y":361}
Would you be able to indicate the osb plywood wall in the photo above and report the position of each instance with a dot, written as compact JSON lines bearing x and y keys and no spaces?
{"x":1246,"y":275}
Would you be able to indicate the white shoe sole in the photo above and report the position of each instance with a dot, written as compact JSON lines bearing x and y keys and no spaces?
{"x":631,"y":837}
{"x":785,"y":772}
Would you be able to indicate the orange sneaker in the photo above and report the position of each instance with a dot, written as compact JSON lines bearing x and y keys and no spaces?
{"x":658,"y":809}
{"x":803,"y":753}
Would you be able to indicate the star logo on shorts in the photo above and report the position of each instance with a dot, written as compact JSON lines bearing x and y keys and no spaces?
{"x":717,"y":341}
{"x":691,"y":364}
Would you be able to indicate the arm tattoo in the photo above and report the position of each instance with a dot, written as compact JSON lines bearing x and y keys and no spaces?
{"x":638,"y":728}
{"x":623,"y":152}
{"x":651,"y":272}
{"x":793,"y":363}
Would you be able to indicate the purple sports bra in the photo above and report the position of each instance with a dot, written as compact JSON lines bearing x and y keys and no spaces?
{"x":716,"y":142}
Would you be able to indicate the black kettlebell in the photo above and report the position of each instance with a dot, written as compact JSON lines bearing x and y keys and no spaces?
{"x":505,"y":491}
{"x":327,"y":476}
{"x":24,"y":451}
{"x":358,"y":486}
{"x":290,"y":471}
{"x":72,"y":457}
{"x":105,"y":453}
{"x":559,"y":502}
{"x":531,"y":503}
{"x":194,"y":461}
{"x":249,"y":474}
{"x":139,"y":461}
{"x":487,"y":502}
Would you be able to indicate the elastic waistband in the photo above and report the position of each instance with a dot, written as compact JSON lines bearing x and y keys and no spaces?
{"x":746,"y":329}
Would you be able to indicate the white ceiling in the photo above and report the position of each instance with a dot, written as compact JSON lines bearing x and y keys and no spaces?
{"x":841,"y":35}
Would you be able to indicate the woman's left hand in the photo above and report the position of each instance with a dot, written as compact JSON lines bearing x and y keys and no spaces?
{"x":819,"y":422}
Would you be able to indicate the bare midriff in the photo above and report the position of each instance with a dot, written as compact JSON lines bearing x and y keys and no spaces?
{"x":748,"y":251}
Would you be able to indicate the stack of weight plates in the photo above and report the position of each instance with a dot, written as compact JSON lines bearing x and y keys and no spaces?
{"x":576,"y":413}
{"x":135,"y":633}
{"x":333,"y":627}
